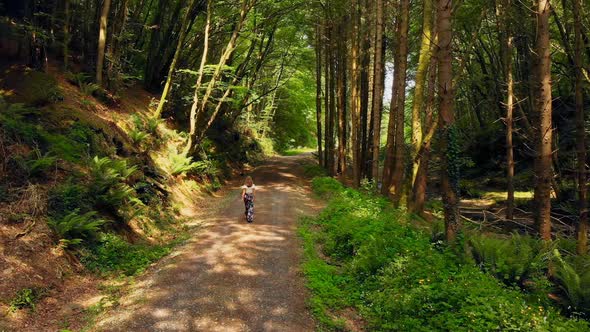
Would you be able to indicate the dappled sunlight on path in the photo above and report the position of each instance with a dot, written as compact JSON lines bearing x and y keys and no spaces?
{"x":232,"y":276}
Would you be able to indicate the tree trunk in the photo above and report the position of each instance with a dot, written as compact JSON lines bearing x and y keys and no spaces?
{"x":543,"y":163}
{"x":342,"y":107}
{"x":582,"y":229}
{"x":379,"y":77}
{"x":449,"y":176}
{"x":421,"y":72}
{"x":194,"y":107}
{"x":399,"y":109}
{"x":506,"y":47}
{"x":66,"y":31}
{"x":420,"y":185}
{"x":355,"y":102}
{"x":318,"y":92}
{"x":102,"y":38}
{"x":332,"y":119}
{"x":327,"y":65}
{"x":172,"y":68}
{"x":228,"y":51}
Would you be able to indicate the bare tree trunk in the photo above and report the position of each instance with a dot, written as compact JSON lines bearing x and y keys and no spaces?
{"x":318,"y":95}
{"x":399,"y":110}
{"x":543,"y":163}
{"x":327,"y":108}
{"x":102,"y":38}
{"x":66,"y":31}
{"x":194,"y":107}
{"x":582,"y":229}
{"x":421,"y":72}
{"x":342,"y":121}
{"x":449,"y":176}
{"x":505,"y":33}
{"x":332,"y":120}
{"x":378,"y":87}
{"x":172,"y":68}
{"x":355,"y":102}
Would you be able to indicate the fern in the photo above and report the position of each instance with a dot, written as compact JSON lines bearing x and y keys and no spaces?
{"x":574,"y":280}
{"x":76,"y":227}
{"x":138,"y":136}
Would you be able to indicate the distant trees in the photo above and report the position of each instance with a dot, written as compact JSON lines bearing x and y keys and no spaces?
{"x":503,"y":72}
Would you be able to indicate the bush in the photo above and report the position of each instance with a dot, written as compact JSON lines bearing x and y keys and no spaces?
{"x":68,"y":197}
{"x":76,"y":227}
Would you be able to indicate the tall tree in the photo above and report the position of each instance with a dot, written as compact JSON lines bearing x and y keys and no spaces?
{"x":543,"y":107}
{"x":102,"y":39}
{"x":449,"y":148}
{"x":318,"y":96}
{"x":172,"y":68}
{"x":379,"y":76}
{"x":506,"y":50}
{"x":582,"y":229}
{"x":398,"y":109}
{"x":355,"y":98}
{"x":421,"y":73}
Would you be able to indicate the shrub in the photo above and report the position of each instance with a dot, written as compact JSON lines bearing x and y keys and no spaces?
{"x":38,"y":165}
{"x":180,"y":164}
{"x":76,"y":227}
{"x":138,"y":136}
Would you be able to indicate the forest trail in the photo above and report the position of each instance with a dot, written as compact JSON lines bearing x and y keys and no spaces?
{"x":231,"y":276}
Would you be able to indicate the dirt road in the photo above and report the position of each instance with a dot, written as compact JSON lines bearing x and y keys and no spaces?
{"x":232,"y":276}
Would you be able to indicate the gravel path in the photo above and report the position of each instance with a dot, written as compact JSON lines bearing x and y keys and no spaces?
{"x":232,"y":276}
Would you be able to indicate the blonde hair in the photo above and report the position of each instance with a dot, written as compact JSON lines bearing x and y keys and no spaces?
{"x":249,"y":180}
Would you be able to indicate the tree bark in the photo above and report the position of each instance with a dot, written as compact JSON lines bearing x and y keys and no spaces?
{"x":342,"y":107}
{"x":379,"y":77}
{"x":399,"y":110}
{"x":421,"y":72}
{"x":355,"y":102}
{"x":66,"y":31}
{"x":318,"y":96}
{"x":449,"y":176}
{"x":582,"y":229}
{"x":102,"y":38}
{"x":543,"y":162}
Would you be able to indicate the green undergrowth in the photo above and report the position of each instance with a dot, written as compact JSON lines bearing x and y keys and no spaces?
{"x":362,"y":254}
{"x":111,"y":254}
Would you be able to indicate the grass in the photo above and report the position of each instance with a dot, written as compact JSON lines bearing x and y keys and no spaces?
{"x":362,"y":254}
{"x":297,"y":151}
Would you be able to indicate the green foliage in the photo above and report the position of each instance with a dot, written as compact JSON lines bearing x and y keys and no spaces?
{"x":26,"y":298}
{"x":76,"y":227}
{"x":314,"y":170}
{"x":138,"y":136}
{"x":112,"y":254}
{"x":67,"y":197}
{"x":513,"y":260}
{"x":180,"y":164}
{"x":110,"y":185}
{"x":326,"y":186}
{"x":574,"y":280}
{"x":39,"y":164}
{"x":398,"y":280}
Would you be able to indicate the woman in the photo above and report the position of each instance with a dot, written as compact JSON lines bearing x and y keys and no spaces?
{"x":248,"y":198}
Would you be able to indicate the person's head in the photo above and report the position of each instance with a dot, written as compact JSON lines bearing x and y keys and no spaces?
{"x":249,"y":181}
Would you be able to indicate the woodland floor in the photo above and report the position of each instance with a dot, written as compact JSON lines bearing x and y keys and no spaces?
{"x":231,"y":276}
